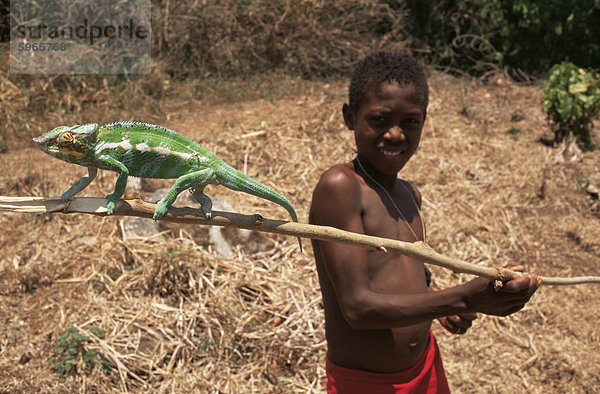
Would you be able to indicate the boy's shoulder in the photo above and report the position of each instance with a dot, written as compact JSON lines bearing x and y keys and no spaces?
{"x":338,"y":188}
{"x":340,"y":177}
{"x":337,"y":198}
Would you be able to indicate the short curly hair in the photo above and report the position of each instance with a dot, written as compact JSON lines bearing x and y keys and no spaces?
{"x":385,"y":67}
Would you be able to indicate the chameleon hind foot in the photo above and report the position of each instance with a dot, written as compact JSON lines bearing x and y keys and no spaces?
{"x":204,"y":200}
{"x":160,"y":211}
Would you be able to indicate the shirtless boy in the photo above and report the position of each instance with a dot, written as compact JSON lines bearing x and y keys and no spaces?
{"x":378,"y":306}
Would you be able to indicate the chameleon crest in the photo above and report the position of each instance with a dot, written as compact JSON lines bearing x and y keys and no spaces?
{"x":149,"y":151}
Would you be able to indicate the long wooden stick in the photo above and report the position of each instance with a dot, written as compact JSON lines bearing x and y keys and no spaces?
{"x":140,"y":208}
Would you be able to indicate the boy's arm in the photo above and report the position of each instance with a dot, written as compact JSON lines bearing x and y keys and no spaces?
{"x":336,"y":202}
{"x":456,"y":324}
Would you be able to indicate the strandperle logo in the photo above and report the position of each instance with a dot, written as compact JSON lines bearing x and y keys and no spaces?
{"x":80,"y":37}
{"x":84,"y":31}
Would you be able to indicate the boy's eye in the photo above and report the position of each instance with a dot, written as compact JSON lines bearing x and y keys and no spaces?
{"x":411,"y":123}
{"x":379,"y":119}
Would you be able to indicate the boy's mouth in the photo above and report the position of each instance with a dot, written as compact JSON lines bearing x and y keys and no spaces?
{"x":391,"y":153}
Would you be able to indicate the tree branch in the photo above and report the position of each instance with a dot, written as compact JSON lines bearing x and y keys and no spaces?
{"x":137,"y":207}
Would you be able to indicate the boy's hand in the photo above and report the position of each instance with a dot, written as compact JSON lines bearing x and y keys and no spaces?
{"x":458,"y":324}
{"x":482,"y":297}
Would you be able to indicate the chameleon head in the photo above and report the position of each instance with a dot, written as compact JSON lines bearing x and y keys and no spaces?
{"x":68,"y":143}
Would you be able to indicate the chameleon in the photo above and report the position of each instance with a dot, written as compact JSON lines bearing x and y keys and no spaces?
{"x":149,"y":151}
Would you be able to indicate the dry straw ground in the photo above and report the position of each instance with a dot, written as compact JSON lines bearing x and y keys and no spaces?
{"x":179,"y":319}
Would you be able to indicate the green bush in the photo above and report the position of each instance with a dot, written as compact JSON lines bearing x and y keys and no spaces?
{"x":572,"y":100}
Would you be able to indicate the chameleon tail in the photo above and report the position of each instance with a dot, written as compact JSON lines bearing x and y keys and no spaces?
{"x":236,"y":180}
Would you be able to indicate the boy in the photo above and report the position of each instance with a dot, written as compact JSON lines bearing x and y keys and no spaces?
{"x":378,"y":306}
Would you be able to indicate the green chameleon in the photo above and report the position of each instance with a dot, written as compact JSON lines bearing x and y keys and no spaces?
{"x":149,"y":151}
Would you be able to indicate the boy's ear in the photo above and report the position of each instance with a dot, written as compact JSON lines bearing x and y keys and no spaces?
{"x":348,"y":116}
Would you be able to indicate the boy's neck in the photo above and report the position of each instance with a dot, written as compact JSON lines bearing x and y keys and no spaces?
{"x":385,"y":180}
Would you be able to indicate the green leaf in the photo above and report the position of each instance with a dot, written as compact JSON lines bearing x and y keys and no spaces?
{"x":89,"y":355}
{"x":579,"y":87}
{"x":565,"y":110}
{"x":577,"y":112}
{"x":97,"y":331}
{"x":558,"y":30}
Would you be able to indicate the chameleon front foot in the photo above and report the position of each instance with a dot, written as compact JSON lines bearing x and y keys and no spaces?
{"x":66,"y":199}
{"x":112,"y":202}
{"x":67,"y":196}
{"x":110,"y":207}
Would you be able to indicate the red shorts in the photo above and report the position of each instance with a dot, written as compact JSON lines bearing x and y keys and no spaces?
{"x":426,"y":376}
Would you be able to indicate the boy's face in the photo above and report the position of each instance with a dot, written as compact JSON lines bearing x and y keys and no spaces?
{"x":387,"y":126}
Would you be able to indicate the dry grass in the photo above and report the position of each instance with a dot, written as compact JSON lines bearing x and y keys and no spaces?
{"x":177,"y":318}
{"x":314,"y":38}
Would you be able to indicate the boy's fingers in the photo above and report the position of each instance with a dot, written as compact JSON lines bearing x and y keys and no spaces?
{"x":468,"y":316}
{"x":535,"y":284}
{"x":458,"y":322}
{"x":457,"y":325}
{"x":527,"y":284}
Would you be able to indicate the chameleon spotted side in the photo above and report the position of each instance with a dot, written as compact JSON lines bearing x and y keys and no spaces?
{"x":149,"y":151}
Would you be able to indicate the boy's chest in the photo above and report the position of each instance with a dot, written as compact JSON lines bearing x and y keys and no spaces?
{"x":394,"y":216}
{"x":392,"y":272}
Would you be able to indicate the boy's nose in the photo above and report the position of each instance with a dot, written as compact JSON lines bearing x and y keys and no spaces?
{"x":395,"y":134}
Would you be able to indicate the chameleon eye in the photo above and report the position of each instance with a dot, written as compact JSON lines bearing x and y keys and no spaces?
{"x":65,"y":139}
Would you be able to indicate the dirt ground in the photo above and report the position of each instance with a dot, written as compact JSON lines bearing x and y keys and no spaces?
{"x":164,"y":314}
